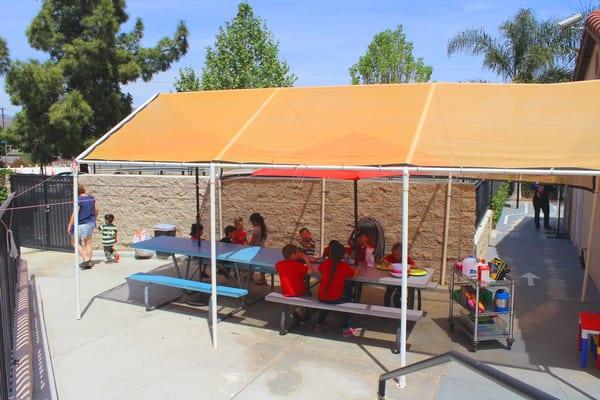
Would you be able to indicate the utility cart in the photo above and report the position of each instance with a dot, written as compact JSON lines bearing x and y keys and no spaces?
{"x":476,"y":314}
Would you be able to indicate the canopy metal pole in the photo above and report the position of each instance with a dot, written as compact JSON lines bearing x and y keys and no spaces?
{"x":199,"y":240}
{"x":76,"y":240}
{"x":213,"y":256}
{"x":404,"y":300}
{"x":588,"y":257}
{"x":220,"y":199}
{"x":355,"y":246}
{"x":446,"y":229}
{"x":323,"y":192}
{"x":550,"y":171}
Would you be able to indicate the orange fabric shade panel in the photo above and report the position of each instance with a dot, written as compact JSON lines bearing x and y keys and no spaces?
{"x":507,"y":126}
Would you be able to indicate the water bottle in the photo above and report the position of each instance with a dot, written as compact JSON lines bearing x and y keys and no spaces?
{"x":502,"y":300}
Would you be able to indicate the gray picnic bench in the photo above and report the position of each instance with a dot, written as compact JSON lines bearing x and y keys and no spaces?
{"x":352,"y":308}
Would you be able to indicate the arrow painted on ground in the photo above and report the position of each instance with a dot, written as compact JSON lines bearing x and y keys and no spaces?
{"x":530,"y":277}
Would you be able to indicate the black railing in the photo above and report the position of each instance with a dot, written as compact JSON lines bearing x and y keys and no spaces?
{"x":44,"y":205}
{"x":514,"y":385}
{"x":9,"y":273}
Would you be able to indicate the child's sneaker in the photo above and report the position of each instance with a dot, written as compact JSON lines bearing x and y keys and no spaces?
{"x":350,"y":331}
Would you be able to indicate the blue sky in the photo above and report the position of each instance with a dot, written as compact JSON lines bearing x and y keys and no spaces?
{"x":319,"y":39}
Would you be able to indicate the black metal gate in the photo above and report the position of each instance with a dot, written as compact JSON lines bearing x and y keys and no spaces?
{"x":9,"y":272}
{"x":43,"y":208}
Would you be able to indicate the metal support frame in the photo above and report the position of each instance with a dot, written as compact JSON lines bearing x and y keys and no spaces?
{"x":213,"y":256}
{"x":323,"y":193}
{"x":404,"y":300}
{"x":446,"y":230}
{"x":586,"y":274}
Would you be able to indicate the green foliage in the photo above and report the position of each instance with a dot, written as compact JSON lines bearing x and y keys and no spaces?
{"x":188,"y":81}
{"x":527,"y":49}
{"x":75,"y":96}
{"x":389,"y":59}
{"x":4,"y":173}
{"x":245,"y":55}
{"x":4,"y":60}
{"x":498,"y":201}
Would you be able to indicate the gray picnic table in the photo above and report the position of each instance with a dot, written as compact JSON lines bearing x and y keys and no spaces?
{"x":263,"y":259}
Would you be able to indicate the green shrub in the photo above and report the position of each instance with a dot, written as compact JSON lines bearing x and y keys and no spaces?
{"x":498,"y":201}
{"x":3,"y":189}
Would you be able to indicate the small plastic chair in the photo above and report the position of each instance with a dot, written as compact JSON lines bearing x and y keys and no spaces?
{"x":589,"y":328}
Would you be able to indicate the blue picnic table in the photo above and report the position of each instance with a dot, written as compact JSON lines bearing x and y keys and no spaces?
{"x":263,"y":259}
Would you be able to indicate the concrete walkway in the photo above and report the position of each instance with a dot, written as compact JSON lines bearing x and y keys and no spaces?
{"x":120,"y":351}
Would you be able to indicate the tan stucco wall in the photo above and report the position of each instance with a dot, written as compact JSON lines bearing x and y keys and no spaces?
{"x":288,"y":205}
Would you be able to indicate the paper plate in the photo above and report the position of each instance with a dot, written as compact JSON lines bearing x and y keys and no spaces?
{"x":396,"y":274}
{"x":417,"y":272}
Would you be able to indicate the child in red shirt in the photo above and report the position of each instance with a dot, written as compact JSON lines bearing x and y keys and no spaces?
{"x":240,"y":236}
{"x":394,"y":291}
{"x":333,"y":288}
{"x":293,"y":270}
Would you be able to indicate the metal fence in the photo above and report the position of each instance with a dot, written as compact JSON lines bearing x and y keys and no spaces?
{"x":9,"y":273}
{"x":44,"y":206}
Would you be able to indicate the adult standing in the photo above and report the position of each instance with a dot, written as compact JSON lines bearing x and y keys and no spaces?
{"x":541,"y":201}
{"x":86,"y":224}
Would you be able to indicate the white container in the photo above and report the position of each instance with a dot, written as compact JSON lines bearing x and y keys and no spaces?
{"x":370,"y":256}
{"x":397,"y":267}
{"x":470,"y":267}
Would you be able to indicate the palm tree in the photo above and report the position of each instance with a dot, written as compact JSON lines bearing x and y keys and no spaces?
{"x":527,"y":50}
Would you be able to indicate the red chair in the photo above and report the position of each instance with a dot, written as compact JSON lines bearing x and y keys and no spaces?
{"x":589,"y":325}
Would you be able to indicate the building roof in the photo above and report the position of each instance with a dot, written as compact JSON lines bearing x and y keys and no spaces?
{"x":589,"y":39}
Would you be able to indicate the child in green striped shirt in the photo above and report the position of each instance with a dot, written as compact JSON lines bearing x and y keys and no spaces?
{"x":109,"y":238}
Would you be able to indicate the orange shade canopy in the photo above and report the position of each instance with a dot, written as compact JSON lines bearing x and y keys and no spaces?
{"x":510,"y":126}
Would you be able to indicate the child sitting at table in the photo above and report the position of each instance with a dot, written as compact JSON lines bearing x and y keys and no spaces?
{"x":229,"y":234}
{"x":307,"y":243}
{"x":363,"y":244}
{"x":334,"y":289}
{"x":293,"y":271}
{"x":347,"y":250}
{"x":258,"y":238}
{"x":240,"y":236}
{"x":196,"y":231}
{"x":392,"y":293}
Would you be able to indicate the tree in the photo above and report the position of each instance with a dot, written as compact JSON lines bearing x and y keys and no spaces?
{"x":245,"y":55}
{"x":4,"y":60}
{"x":188,"y":81}
{"x":75,"y":96}
{"x":527,"y":50}
{"x":389,"y":59}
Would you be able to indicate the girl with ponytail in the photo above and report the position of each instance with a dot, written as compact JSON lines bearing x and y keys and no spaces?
{"x":334,"y":289}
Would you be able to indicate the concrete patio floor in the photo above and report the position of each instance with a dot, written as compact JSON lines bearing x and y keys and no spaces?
{"x":120,"y":351}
